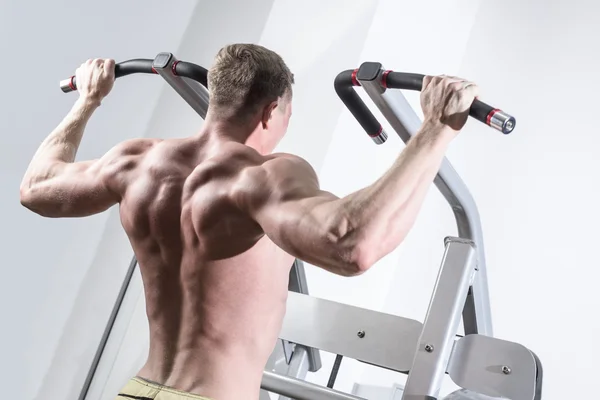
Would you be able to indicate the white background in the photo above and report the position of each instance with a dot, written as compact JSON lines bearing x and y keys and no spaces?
{"x":535,"y":188}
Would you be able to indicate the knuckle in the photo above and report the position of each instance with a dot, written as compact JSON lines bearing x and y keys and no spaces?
{"x":426,"y":81}
{"x":456,"y":86}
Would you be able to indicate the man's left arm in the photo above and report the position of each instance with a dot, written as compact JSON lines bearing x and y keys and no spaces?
{"x":56,"y":186}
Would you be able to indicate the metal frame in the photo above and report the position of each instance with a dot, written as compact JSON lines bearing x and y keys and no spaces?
{"x":302,"y":390}
{"x":495,"y":368}
{"x":109,"y":327}
{"x":191,"y":91}
{"x":403,"y":119}
{"x":442,"y":320}
{"x":426,"y":352}
{"x":373,"y":337}
{"x":290,"y":359}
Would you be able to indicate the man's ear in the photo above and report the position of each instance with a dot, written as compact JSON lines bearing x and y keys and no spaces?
{"x":267,"y":113}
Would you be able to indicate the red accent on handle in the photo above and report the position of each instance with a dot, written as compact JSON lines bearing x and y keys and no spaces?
{"x":378,"y":132}
{"x":71,"y":84}
{"x":173,"y":67}
{"x":384,"y":78}
{"x":155,"y":71}
{"x":490,"y":115}
{"x":355,"y":81}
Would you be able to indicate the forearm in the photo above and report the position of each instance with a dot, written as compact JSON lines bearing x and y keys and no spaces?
{"x":61,"y":145}
{"x":379,"y":216}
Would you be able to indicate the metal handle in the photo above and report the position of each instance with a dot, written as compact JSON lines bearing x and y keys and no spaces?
{"x":68,"y":85}
{"x":369,"y":71}
{"x":343,"y":85}
{"x":135,"y":66}
{"x":479,"y":110}
{"x":145,"y":66}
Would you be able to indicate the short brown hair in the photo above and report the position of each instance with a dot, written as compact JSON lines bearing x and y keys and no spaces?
{"x":244,"y":78}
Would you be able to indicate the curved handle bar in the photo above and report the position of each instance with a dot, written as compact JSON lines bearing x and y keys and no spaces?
{"x":145,"y":66}
{"x":343,"y":85}
{"x":345,"y":81}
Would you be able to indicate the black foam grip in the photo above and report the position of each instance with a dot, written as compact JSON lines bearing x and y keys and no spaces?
{"x":539,"y":377}
{"x":192,"y":71}
{"x":136,"y":66}
{"x":401,"y":80}
{"x":344,"y":88}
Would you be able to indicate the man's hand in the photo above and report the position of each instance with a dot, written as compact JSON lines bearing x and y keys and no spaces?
{"x":95,"y":79}
{"x":446,"y":100}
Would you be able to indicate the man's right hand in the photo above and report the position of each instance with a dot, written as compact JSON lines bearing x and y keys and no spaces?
{"x":446,"y":100}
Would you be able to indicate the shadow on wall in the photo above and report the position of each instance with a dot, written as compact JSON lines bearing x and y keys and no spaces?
{"x":316,"y":107}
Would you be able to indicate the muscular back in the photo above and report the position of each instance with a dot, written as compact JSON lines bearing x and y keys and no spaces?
{"x":215,"y":286}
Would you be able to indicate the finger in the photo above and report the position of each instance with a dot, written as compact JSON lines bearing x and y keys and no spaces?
{"x":472,"y":89}
{"x":426,"y":81}
{"x":78,"y":78}
{"x":435,"y":80}
{"x":454,"y":82}
{"x":109,"y":69}
{"x":109,"y":66}
{"x":456,"y":85}
{"x":89,"y":62}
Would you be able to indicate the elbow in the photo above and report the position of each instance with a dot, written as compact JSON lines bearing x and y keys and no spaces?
{"x":26,"y":197}
{"x":356,"y":255}
{"x":363,"y":258}
{"x":30,"y":201}
{"x":364,"y":249}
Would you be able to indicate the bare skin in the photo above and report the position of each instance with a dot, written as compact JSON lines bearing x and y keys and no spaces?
{"x":216,"y":220}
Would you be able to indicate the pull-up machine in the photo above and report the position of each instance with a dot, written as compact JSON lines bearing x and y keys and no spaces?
{"x":425,"y":351}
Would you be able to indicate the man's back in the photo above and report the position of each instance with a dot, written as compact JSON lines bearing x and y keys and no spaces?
{"x":215,"y":285}
{"x":214,"y":222}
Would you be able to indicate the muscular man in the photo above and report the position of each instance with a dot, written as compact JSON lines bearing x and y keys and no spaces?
{"x":216,"y":219}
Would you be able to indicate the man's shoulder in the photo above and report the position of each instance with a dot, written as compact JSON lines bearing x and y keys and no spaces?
{"x":123,"y":159}
{"x":250,"y":160}
{"x":137,"y":146}
{"x":286,"y":160}
{"x":277,"y":172}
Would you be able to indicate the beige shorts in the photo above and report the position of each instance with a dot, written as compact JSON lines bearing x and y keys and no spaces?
{"x":141,"y":389}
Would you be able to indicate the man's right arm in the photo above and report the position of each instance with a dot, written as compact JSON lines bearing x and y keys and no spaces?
{"x":348,"y":235}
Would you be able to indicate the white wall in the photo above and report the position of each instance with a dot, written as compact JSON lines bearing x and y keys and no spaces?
{"x":47,"y":275}
{"x":537,"y":189}
{"x":534,"y":188}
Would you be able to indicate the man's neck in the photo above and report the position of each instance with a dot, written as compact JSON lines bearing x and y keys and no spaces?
{"x":227,"y":131}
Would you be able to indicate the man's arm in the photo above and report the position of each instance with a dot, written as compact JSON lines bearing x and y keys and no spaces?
{"x":348,"y":235}
{"x":54,"y":185}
